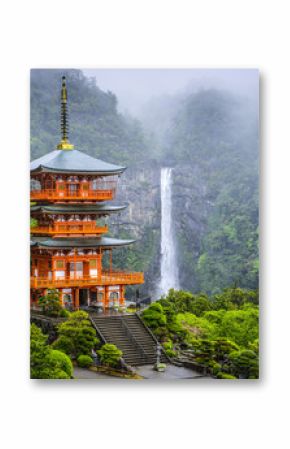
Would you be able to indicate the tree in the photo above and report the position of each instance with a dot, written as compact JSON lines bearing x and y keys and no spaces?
{"x":76,"y":335}
{"x":110,"y":355}
{"x":50,"y":303}
{"x":46,"y":363}
{"x":183,"y":301}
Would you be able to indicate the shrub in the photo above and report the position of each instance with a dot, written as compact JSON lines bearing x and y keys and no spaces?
{"x":154,"y":316}
{"x":61,"y":361}
{"x":168,"y":346}
{"x":76,"y":335}
{"x":84,"y":361}
{"x":244,"y":364}
{"x":64,"y":313}
{"x":50,"y":303}
{"x":110,"y":355}
{"x":46,"y":363}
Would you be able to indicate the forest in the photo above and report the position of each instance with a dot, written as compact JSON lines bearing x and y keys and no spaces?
{"x":210,"y":137}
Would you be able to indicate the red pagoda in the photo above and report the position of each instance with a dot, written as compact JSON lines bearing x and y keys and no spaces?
{"x":70,"y":193}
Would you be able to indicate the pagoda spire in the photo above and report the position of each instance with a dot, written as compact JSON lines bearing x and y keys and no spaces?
{"x":64,"y":143}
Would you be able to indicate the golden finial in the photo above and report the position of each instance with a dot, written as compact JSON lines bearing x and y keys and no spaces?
{"x":64,"y":143}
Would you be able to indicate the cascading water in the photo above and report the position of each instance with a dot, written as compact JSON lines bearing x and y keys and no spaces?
{"x":169,"y":269}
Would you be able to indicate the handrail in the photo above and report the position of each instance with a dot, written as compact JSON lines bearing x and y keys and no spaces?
{"x":78,"y":280}
{"x":153,"y":336}
{"x":133,"y":339}
{"x":97,"y":329}
{"x":66,"y":194}
{"x":70,"y":227}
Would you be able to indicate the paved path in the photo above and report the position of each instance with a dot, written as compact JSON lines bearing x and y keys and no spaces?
{"x":171,"y":372}
{"x":82,"y":373}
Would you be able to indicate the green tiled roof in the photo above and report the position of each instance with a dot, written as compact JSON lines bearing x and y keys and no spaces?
{"x":105,"y":242}
{"x":73,"y":161}
{"x":99,"y":208}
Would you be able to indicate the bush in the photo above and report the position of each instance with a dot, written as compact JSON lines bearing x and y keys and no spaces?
{"x":110,"y":355}
{"x":244,"y":364}
{"x":50,"y":303}
{"x":45,"y":363}
{"x":154,"y":316}
{"x":64,"y":313}
{"x":168,"y":347}
{"x":76,"y":335}
{"x":61,"y":361}
{"x":84,"y":361}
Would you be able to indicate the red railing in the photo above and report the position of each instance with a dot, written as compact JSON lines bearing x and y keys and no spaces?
{"x":107,"y":278}
{"x":73,"y":227}
{"x":52,"y":194}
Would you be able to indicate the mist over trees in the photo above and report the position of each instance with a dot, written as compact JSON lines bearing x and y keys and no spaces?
{"x":210,"y":137}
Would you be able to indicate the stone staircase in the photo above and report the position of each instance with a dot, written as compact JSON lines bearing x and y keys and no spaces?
{"x":129,"y":334}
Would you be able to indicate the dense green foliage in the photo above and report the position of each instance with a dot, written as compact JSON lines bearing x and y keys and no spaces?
{"x":47,"y":363}
{"x":96,"y":127}
{"x":50,"y":303}
{"x":76,"y":336}
{"x":219,"y":332}
{"x":110,"y":355}
{"x":217,"y":134}
{"x":84,"y":361}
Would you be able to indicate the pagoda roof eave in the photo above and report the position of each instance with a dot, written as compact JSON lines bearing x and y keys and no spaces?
{"x":77,"y":209}
{"x":73,"y":162}
{"x":70,"y":243}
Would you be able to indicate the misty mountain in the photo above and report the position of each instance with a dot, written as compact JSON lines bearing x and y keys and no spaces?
{"x":209,"y":136}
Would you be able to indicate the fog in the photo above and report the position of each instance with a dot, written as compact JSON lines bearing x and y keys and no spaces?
{"x":136,"y":87}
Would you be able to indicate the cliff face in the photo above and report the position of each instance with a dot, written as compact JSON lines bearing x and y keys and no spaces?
{"x":191,"y":207}
{"x":139,"y":189}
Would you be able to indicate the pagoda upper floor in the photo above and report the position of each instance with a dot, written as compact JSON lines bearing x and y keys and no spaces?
{"x":50,"y":187}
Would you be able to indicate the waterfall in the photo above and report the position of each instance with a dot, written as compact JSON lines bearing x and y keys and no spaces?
{"x":169,"y":269}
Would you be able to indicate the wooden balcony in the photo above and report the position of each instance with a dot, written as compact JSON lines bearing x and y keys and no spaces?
{"x":70,"y":227}
{"x":107,"y":278}
{"x":69,"y":195}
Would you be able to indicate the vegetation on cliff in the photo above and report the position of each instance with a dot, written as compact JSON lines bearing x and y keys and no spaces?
{"x":216,"y":134}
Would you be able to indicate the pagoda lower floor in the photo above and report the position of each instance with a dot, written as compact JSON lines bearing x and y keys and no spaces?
{"x":103,"y":297}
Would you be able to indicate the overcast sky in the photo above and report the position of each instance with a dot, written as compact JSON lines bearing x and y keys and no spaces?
{"x":134,"y":87}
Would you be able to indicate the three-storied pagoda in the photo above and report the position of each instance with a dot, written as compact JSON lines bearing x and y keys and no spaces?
{"x":69,"y":192}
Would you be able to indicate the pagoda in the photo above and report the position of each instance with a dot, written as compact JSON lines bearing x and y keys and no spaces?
{"x":70,"y":194}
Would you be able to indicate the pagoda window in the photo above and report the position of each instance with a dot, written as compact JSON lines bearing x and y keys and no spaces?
{"x":60,"y":266}
{"x":93,"y":268}
{"x":73,"y":188}
{"x":76,"y":269}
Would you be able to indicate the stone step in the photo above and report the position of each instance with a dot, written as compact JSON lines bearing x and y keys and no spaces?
{"x":114,"y":332}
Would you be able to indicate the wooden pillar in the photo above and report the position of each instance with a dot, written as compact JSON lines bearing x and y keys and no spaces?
{"x":89,"y":297}
{"x":75,"y":263}
{"x":122,"y":296}
{"x":77,"y":298}
{"x":61,"y":297}
{"x":106,"y":298}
